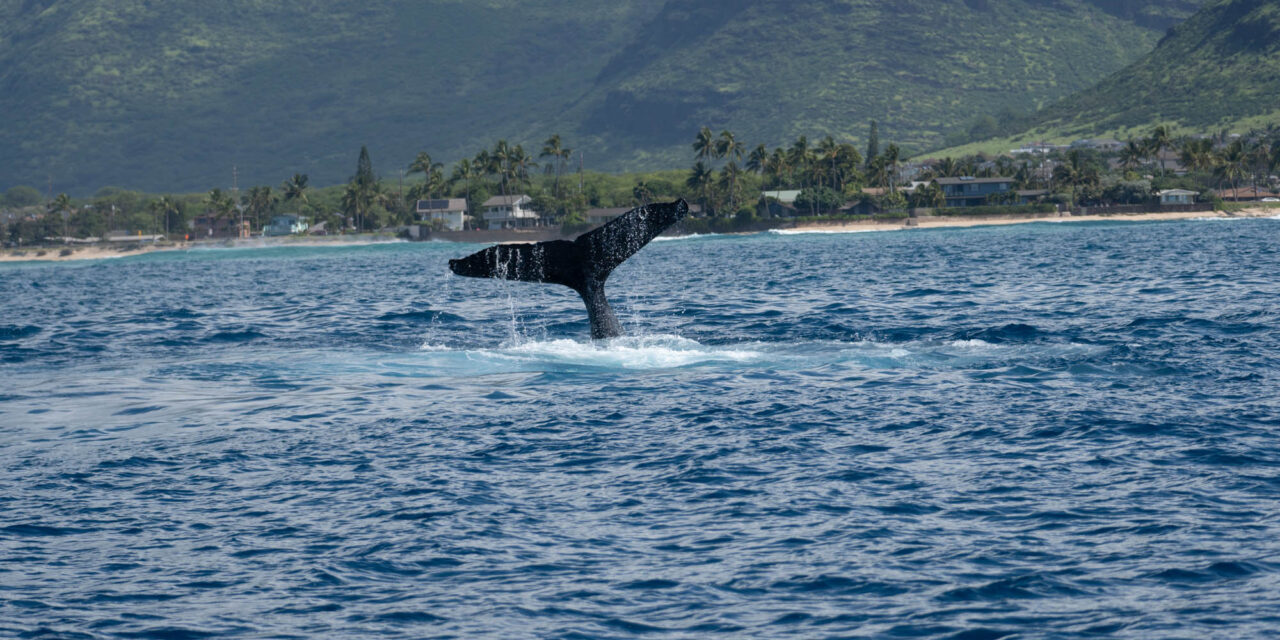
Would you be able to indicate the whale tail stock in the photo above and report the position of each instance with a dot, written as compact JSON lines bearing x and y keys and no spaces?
{"x":583,"y":264}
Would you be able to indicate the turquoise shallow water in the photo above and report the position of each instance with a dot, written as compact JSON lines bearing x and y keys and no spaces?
{"x":1041,"y":431}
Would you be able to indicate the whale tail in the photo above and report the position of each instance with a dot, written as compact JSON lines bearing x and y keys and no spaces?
{"x":583,"y":264}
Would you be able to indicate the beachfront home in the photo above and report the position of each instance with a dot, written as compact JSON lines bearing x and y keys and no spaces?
{"x":452,"y":212}
{"x":210,"y":226}
{"x":1251,"y":194}
{"x":601,"y":216}
{"x":783,"y":196}
{"x":968,"y":191}
{"x":285,"y":225}
{"x":510,"y":212}
{"x":1178,"y":196}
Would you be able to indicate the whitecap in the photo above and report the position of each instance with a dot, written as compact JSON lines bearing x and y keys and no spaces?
{"x":797,"y":232}
{"x":692,"y":236}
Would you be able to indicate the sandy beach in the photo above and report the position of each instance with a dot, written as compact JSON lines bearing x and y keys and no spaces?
{"x":103,"y":252}
{"x":97,"y":252}
{"x":938,"y":222}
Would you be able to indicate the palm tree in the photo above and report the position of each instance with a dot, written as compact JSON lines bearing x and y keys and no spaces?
{"x":168,"y":208}
{"x":432,"y":179}
{"x":704,"y":145}
{"x":758,"y":160}
{"x":259,"y":201}
{"x":62,"y":205}
{"x":729,"y":182}
{"x":947,"y":168}
{"x":849,"y":165}
{"x":521,"y":164}
{"x":219,"y":204}
{"x":892,"y":155}
{"x":878,"y":172}
{"x":500,"y":163}
{"x":1159,"y":140}
{"x":799,"y":158}
{"x":1131,"y":155}
{"x":295,"y":188}
{"x":729,"y":147}
{"x":829,"y":151}
{"x":1232,"y":166}
{"x":699,"y":180}
{"x":1076,"y":172}
{"x":553,"y":148}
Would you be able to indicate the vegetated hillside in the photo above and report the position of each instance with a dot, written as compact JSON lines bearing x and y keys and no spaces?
{"x":772,"y":69}
{"x":170,"y":95}
{"x":1218,"y":70}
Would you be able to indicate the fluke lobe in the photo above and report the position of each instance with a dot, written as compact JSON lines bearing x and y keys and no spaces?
{"x":583,"y":264}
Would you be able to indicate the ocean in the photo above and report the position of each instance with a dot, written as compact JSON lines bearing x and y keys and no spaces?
{"x":1032,"y":431}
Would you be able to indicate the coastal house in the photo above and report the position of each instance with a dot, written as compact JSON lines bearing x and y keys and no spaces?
{"x":783,"y":196}
{"x":770,"y":208}
{"x":968,"y":191}
{"x":285,"y":225}
{"x":510,"y":212}
{"x":601,"y":216}
{"x":451,"y":212}
{"x":1031,"y":196}
{"x":1249,"y":194}
{"x":861,"y":207}
{"x":1177,"y":196}
{"x":210,"y":226}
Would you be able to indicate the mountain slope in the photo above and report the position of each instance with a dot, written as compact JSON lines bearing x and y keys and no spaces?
{"x":170,"y":95}
{"x":1218,"y":70}
{"x":772,"y":69}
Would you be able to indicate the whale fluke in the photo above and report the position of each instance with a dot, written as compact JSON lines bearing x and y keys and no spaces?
{"x":583,"y":264}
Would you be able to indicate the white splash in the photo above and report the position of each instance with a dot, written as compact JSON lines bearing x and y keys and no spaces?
{"x":637,"y":352}
{"x":797,"y":232}
{"x":692,"y":236}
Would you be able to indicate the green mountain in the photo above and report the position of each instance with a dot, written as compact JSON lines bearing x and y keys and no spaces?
{"x":171,"y":95}
{"x":1218,"y":70}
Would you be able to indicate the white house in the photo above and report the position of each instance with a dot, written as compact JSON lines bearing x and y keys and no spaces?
{"x":510,"y":212}
{"x":1178,"y":196}
{"x":285,"y":225}
{"x":452,"y":212}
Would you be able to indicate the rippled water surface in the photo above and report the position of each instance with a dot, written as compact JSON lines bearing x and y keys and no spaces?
{"x":1042,"y":431}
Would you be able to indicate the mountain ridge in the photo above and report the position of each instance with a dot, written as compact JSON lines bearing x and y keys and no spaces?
{"x":171,"y":96}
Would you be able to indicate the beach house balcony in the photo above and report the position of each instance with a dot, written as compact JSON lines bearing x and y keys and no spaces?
{"x":451,"y":212}
{"x":968,"y":191}
{"x":510,"y":212}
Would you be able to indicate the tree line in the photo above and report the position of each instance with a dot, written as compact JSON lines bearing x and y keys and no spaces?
{"x":727,"y":178}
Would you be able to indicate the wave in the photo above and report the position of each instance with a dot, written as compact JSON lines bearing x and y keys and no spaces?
{"x":692,"y":236}
{"x":633,"y":352}
{"x":797,"y":232}
{"x":658,"y":352}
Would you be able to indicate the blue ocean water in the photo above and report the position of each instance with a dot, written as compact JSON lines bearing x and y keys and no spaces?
{"x":1040,"y":431}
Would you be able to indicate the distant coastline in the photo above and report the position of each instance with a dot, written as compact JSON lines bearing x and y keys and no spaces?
{"x":100,"y":252}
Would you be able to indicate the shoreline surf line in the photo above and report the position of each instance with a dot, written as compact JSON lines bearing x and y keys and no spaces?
{"x":53,"y":254}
